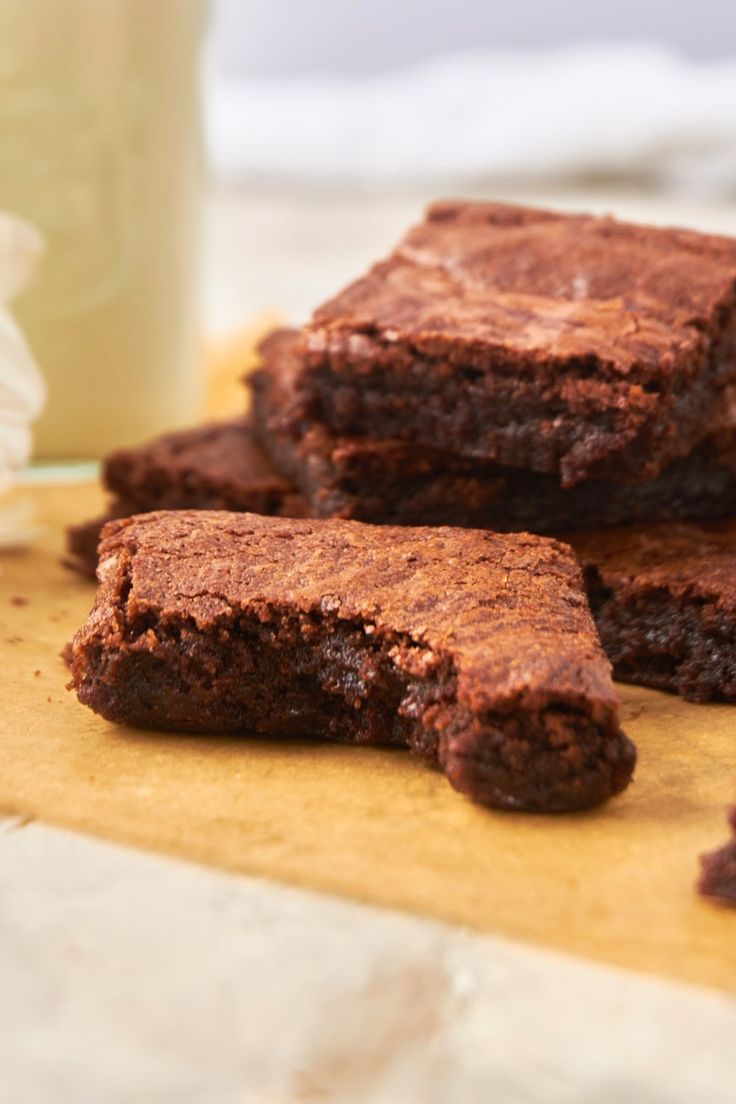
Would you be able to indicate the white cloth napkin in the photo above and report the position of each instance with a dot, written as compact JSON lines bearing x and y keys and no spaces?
{"x":628,"y":110}
{"x":22,"y":390}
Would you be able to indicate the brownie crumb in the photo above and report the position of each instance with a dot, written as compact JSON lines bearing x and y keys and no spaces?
{"x":718,"y":869}
{"x":18,"y":600}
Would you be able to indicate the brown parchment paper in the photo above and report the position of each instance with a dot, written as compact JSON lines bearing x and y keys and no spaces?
{"x":615,"y":884}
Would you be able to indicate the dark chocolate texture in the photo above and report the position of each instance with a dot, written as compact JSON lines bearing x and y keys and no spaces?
{"x":219,"y":466}
{"x":397,"y":482}
{"x":664,"y":600}
{"x":474,"y":649}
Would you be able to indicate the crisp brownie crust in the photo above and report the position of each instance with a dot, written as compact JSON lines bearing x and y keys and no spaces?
{"x":394,"y":481}
{"x":219,"y":466}
{"x":564,"y":344}
{"x":718,"y":869}
{"x":664,"y":601}
{"x":476,"y":650}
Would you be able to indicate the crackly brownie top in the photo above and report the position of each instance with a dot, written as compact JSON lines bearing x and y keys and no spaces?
{"x":529,"y":281}
{"x":217,"y":455}
{"x":509,"y":610}
{"x":686,"y":559}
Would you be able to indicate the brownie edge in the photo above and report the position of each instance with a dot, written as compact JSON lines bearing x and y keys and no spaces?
{"x":217,"y":466}
{"x":664,"y":599}
{"x":400,"y":483}
{"x":476,"y":650}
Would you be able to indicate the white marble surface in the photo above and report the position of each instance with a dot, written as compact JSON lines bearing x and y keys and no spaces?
{"x":127,"y":976}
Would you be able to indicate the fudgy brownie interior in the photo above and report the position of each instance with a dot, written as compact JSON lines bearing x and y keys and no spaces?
{"x":397,"y":482}
{"x":664,"y":600}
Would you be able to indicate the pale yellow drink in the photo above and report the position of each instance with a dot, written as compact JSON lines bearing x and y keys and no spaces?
{"x":100,"y":148}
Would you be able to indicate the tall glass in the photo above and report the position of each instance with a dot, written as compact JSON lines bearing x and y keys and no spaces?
{"x":100,"y":149}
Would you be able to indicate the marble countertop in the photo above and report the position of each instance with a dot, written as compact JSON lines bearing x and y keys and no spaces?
{"x":127,"y":976}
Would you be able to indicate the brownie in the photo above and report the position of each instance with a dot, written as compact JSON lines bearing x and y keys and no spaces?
{"x":718,"y":869}
{"x":664,"y":599}
{"x":82,"y":540}
{"x":564,"y":344}
{"x":476,"y":650}
{"x":395,"y":481}
{"x":219,"y":466}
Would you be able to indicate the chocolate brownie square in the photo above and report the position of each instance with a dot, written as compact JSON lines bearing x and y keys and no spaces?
{"x":563,"y":344}
{"x":718,"y":869}
{"x":664,"y":601}
{"x":394,"y":481}
{"x":476,"y":650}
{"x":219,"y":466}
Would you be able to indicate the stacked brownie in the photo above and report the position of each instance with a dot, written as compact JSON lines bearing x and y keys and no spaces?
{"x":515,"y":369}
{"x":393,"y":480}
{"x":504,"y":369}
{"x":220,"y":466}
{"x":508,"y":369}
{"x":569,"y":346}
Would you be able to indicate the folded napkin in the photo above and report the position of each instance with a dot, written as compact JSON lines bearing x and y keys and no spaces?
{"x":22,"y":389}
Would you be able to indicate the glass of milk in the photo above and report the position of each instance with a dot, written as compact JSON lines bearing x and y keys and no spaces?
{"x":100,"y":149}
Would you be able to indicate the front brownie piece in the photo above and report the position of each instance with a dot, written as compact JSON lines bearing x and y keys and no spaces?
{"x":476,"y":650}
{"x":664,"y":600}
{"x":563,"y":344}
{"x":718,"y":869}
{"x":219,"y":466}
{"x":394,"y":481}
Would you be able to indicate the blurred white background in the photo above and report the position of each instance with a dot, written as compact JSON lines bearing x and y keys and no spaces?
{"x":331,"y":123}
{"x":267,"y":37}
